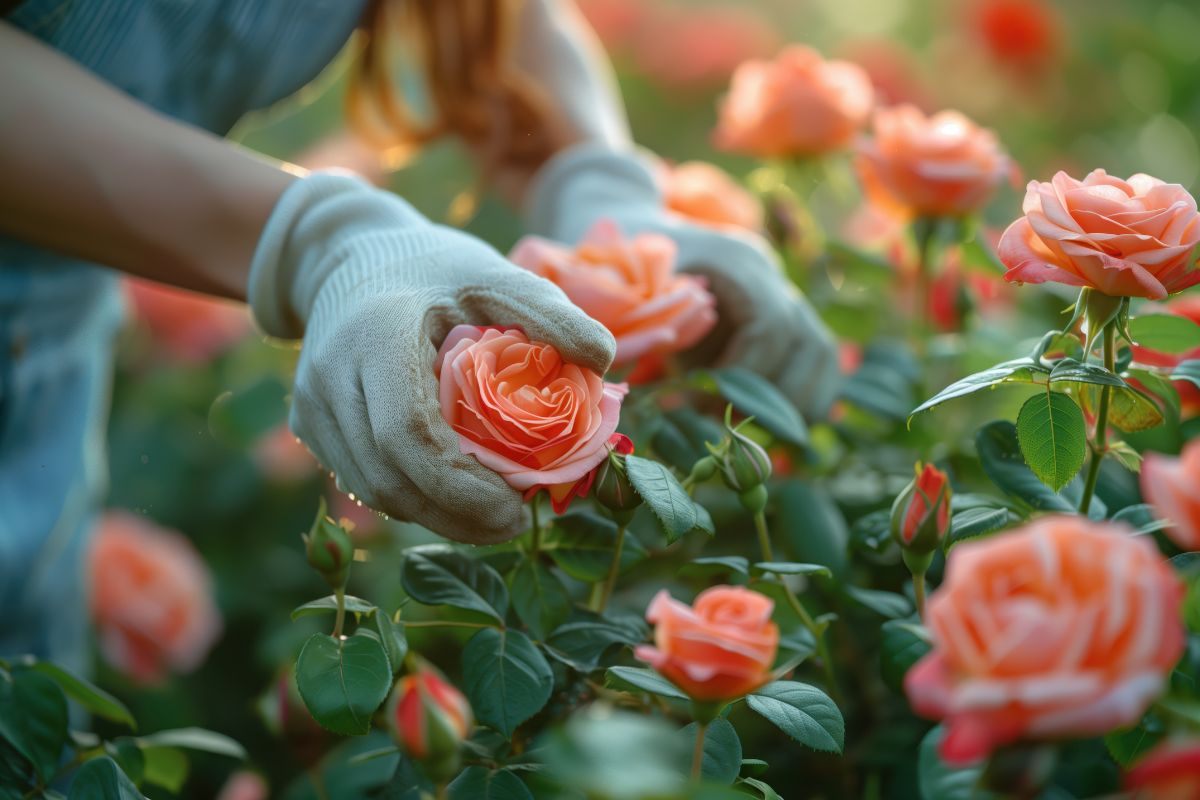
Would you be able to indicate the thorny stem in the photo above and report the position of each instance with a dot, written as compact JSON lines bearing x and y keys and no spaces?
{"x":340,"y":620}
{"x":764,"y":538}
{"x":614,"y":570}
{"x":698,"y":751}
{"x":1100,"y":440}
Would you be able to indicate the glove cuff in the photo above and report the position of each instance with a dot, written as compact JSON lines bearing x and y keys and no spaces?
{"x":586,"y":182}
{"x":317,"y":225}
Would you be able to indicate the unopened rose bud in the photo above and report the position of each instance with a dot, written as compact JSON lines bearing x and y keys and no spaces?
{"x":745,"y":465}
{"x":329,"y":549}
{"x":612,"y":488}
{"x":429,"y":719}
{"x":921,"y":514}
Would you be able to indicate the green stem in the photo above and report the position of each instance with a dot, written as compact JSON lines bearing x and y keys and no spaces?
{"x":919,"y":593}
{"x":817,"y":631}
{"x":614,"y":570}
{"x":1100,"y":439}
{"x":535,"y":540}
{"x":764,"y":537}
{"x":340,"y":620}
{"x":698,"y":751}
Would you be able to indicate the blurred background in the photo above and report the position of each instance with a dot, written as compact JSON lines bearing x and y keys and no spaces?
{"x":198,"y":441}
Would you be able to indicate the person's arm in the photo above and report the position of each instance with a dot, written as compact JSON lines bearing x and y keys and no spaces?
{"x":93,"y":173}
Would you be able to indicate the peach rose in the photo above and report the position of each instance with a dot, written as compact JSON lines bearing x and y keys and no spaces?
{"x":629,"y":286}
{"x":720,"y":648}
{"x":282,"y":457}
{"x":1169,"y":484}
{"x":799,"y":104}
{"x":524,"y":412}
{"x":1129,"y":238}
{"x":244,"y":785}
{"x":188,"y":326}
{"x":1065,"y":627}
{"x":151,"y":598}
{"x":1170,"y":772}
{"x":699,"y":46}
{"x":943,"y":165}
{"x":710,"y":196}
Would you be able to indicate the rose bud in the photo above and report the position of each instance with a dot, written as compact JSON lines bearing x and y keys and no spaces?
{"x":744,"y":466}
{"x":612,"y":488}
{"x":1065,"y":628}
{"x":1169,"y":485}
{"x":329,"y":549}
{"x":429,"y":719}
{"x":1170,"y":772}
{"x":921,"y":513}
{"x":721,"y":648}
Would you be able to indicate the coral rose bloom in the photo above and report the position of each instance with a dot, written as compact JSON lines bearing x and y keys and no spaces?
{"x":798,"y":104}
{"x":721,"y":648}
{"x":1169,"y":484}
{"x":1170,"y":772}
{"x":708,"y":195}
{"x":1066,"y":627}
{"x":538,"y":421}
{"x":151,"y":598}
{"x":942,"y":165}
{"x":1129,"y":238}
{"x":627,"y":285}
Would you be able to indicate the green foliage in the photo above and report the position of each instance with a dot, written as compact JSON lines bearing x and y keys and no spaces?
{"x":582,"y":544}
{"x":102,"y":779}
{"x":676,"y":512}
{"x":639,"y":679}
{"x":507,"y":678}
{"x":754,"y":396}
{"x":1019,"y":370}
{"x":1052,"y":437}
{"x":903,"y":643}
{"x":722,"y":750}
{"x":1166,"y":333}
{"x":33,"y":718}
{"x":343,"y":681}
{"x":939,"y":781}
{"x":803,"y":712}
{"x":539,"y":597}
{"x":440,"y":575}
{"x":480,"y":783}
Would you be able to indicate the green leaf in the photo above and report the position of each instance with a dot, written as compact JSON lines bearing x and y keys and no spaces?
{"x":902,"y":644}
{"x":343,"y":681}
{"x":393,"y":639}
{"x":102,"y":779}
{"x":480,"y":783}
{"x":440,"y":575}
{"x":198,"y":739}
{"x":676,"y":511}
{"x":539,"y":597}
{"x":803,"y":712}
{"x":811,"y":524}
{"x":1142,"y":518}
{"x":166,"y":767}
{"x":582,"y":546}
{"x":1127,"y":745}
{"x":1131,"y":410}
{"x":581,"y":643}
{"x":93,"y":698}
{"x":972,"y":522}
{"x":887,"y":604}
{"x":1188,"y":371}
{"x":15,"y":773}
{"x":755,"y":396}
{"x":680,"y":435}
{"x":507,"y":678}
{"x":1053,"y":437}
{"x":1071,"y":370}
{"x":239,"y":418}
{"x":33,"y":718}
{"x":642,"y":680}
{"x":1019,"y":370}
{"x":328,"y":605}
{"x":128,"y":756}
{"x":716,"y":565}
{"x":1001,"y":459}
{"x":791,"y":568}
{"x":937,"y":781}
{"x":1166,"y":333}
{"x":722,"y":759}
{"x":764,"y":789}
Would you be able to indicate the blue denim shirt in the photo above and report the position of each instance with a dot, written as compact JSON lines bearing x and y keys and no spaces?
{"x":205,"y":62}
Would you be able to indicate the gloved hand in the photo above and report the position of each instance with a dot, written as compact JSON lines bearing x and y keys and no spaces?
{"x":374,"y":287}
{"x":764,"y":324}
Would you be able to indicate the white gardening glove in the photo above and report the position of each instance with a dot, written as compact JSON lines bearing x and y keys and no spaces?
{"x":374,"y":287}
{"x":765,"y":324}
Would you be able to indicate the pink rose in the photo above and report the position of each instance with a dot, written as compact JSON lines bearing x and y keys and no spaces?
{"x":190,"y":327}
{"x":244,"y":785}
{"x":943,"y":165}
{"x":1065,"y":627}
{"x":538,"y":421}
{"x":629,"y":286}
{"x":282,"y":457}
{"x":1170,"y":485}
{"x":151,"y":598}
{"x":1129,"y":238}
{"x":799,"y":104}
{"x":1171,"y":771}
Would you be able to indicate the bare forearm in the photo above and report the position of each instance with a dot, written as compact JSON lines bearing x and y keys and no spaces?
{"x":93,"y":173}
